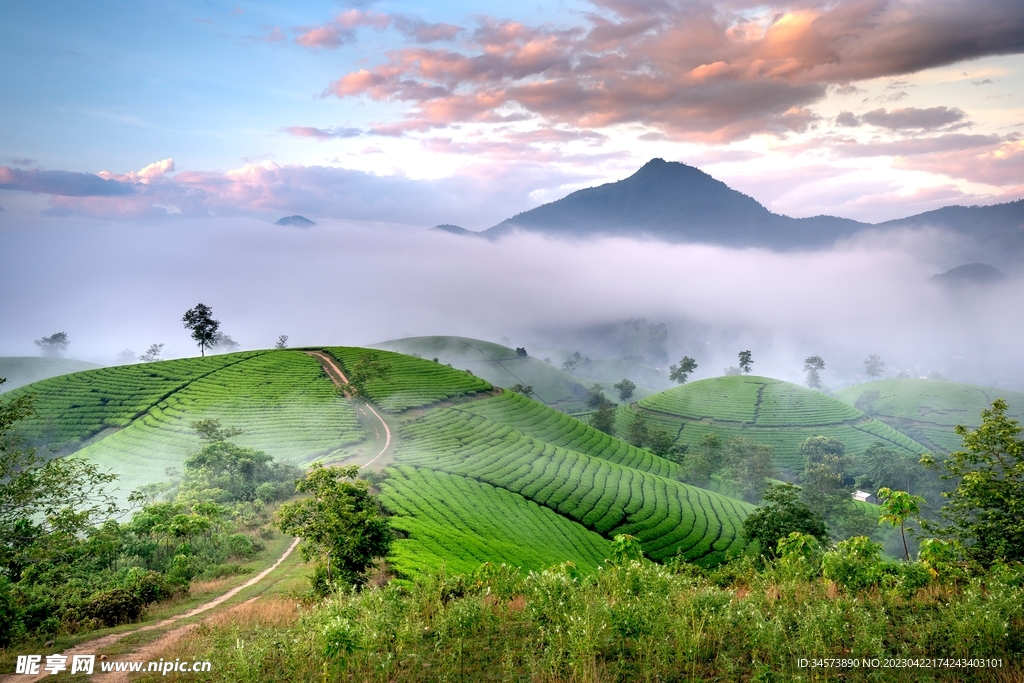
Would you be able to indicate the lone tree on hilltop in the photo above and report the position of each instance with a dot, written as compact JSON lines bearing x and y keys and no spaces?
{"x":54,"y":345}
{"x":572,"y":362}
{"x":680,"y":373}
{"x":282,"y":342}
{"x":204,"y":328}
{"x":812,"y":366}
{"x":152,"y":353}
{"x":873,"y":365}
{"x":746,"y":362}
{"x":626,"y":389}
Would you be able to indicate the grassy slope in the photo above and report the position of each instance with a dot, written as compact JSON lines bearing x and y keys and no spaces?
{"x":568,"y":486}
{"x":509,"y":442}
{"x":22,"y":370}
{"x":928,"y":409}
{"x":500,"y":366}
{"x":135,"y":419}
{"x":765,"y":410}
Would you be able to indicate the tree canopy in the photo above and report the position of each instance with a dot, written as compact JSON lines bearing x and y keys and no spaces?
{"x":199,"y":320}
{"x":985,"y":511}
{"x":54,"y":345}
{"x":341,"y":524}
{"x":782,"y":514}
{"x":746,"y":361}
{"x":680,"y":373}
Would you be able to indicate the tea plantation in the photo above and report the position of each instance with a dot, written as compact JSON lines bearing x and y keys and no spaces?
{"x":135,"y":419}
{"x":928,"y":409}
{"x":481,"y":440}
{"x":22,"y":370}
{"x":501,"y":366}
{"x":462,"y":523}
{"x":767,"y":411}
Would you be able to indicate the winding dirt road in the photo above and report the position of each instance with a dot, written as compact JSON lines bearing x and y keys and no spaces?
{"x":92,"y":646}
{"x":339,"y":379}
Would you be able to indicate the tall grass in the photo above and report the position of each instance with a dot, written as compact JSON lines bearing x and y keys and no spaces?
{"x":632,"y":622}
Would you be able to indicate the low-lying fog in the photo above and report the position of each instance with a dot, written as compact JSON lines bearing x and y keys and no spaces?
{"x":118,"y":286}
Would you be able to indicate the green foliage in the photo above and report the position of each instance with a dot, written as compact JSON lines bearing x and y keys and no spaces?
{"x":873,"y":365}
{"x":639,"y":433}
{"x":823,"y":480}
{"x":747,"y":467}
{"x":341,"y":524}
{"x":626,"y":389}
{"x":855,"y":563}
{"x":897,"y":508}
{"x":224,"y":472}
{"x":203,"y":328}
{"x":746,"y":362}
{"x":812,"y":366}
{"x":782,"y":515}
{"x":603,"y":418}
{"x":524,"y":390}
{"x":368,"y":368}
{"x":635,"y":621}
{"x":680,"y":373}
{"x":984,"y":510}
{"x":54,"y":345}
{"x":595,"y":397}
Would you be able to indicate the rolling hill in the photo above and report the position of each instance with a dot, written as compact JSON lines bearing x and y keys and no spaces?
{"x":765,"y":410}
{"x":134,"y":419}
{"x":22,"y":370}
{"x":927,"y":409}
{"x":477,"y":474}
{"x":501,"y":366}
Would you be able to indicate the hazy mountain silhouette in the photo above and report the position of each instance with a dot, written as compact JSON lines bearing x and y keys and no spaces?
{"x":674,"y":202}
{"x":969,"y":274}
{"x":298,"y":221}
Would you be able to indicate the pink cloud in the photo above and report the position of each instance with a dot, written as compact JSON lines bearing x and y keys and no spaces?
{"x":697,"y":71}
{"x":341,"y":29}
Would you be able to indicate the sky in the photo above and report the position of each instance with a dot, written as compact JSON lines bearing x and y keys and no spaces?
{"x":418,"y":114}
{"x":146,"y":150}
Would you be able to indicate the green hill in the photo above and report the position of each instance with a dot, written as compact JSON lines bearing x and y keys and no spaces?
{"x":765,"y":410}
{"x":501,"y":366}
{"x":476,"y":474}
{"x":134,"y":419}
{"x":22,"y":370}
{"x":928,"y":409}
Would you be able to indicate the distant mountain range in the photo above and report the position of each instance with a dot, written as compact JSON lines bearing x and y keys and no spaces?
{"x":674,"y":202}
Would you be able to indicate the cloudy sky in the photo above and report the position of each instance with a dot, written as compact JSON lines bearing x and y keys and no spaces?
{"x":417,"y":113}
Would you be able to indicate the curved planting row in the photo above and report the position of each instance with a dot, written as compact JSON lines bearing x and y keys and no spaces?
{"x":542,"y":423}
{"x":722,"y":398}
{"x":667,"y":516}
{"x":413,"y":382}
{"x":72,"y":408}
{"x":281,"y":400}
{"x":462,"y":523}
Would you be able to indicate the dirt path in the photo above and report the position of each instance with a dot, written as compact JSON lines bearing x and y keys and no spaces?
{"x":92,"y":646}
{"x":339,"y":379}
